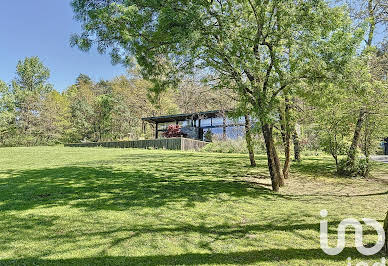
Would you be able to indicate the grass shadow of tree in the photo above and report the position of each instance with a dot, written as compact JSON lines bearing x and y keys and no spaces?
{"x":95,"y":188}
{"x":279,"y":256}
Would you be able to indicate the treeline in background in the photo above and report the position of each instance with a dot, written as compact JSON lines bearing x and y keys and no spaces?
{"x":32,"y":112}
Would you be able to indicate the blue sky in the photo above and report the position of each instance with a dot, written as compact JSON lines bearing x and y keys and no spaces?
{"x":42,"y":28}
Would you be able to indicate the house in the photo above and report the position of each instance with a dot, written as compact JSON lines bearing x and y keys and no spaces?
{"x":195,"y":125}
{"x":193,"y":128}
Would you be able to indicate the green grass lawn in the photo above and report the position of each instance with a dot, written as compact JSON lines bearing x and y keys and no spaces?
{"x":89,"y":206}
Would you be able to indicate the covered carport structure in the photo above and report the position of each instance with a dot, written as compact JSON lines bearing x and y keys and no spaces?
{"x":193,"y":120}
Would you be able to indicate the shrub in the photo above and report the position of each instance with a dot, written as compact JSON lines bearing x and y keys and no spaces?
{"x":173,"y":131}
{"x":360,"y":168}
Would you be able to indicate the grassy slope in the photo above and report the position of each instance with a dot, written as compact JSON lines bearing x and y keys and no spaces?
{"x":138,"y":207}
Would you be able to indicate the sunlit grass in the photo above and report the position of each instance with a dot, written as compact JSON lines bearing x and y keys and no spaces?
{"x":88,"y":206}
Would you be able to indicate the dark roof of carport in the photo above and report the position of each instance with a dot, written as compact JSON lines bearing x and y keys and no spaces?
{"x":183,"y":117}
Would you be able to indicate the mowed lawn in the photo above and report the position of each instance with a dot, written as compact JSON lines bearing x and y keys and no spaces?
{"x":96,"y":206}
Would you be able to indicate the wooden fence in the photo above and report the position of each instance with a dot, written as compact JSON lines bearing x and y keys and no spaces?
{"x":183,"y":144}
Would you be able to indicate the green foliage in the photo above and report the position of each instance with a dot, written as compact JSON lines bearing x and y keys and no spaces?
{"x":333,"y":124}
{"x":81,"y":97}
{"x":54,"y":118}
{"x":87,"y":110}
{"x":31,"y":78}
{"x":130,"y":105}
{"x":257,"y":49}
{"x":360,"y":168}
{"x":261,"y":50}
{"x":112,"y":110}
{"x":7,"y":111}
{"x":22,"y":105}
{"x":336,"y":106}
{"x":335,"y":145}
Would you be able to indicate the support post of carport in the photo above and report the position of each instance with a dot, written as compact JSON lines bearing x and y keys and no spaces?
{"x":143,"y":126}
{"x":223,"y":126}
{"x":156,"y":130}
{"x":199,"y":129}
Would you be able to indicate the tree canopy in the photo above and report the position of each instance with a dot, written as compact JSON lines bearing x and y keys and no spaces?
{"x":260,"y":49}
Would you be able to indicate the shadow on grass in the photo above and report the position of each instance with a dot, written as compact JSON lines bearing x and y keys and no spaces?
{"x":323,"y":196}
{"x":325,"y":167}
{"x":239,"y":258}
{"x":188,"y":180}
{"x":191,"y":164}
{"x":315,"y":167}
{"x":105,"y":188}
{"x":215,"y":233}
{"x":221,"y":232}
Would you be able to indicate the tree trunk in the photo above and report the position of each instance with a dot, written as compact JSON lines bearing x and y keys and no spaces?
{"x":286,"y":136}
{"x":367,"y":144}
{"x":273,"y":159}
{"x":351,"y":160}
{"x":386,"y":233}
{"x":297,"y":150}
{"x":336,"y":162}
{"x":248,"y":138}
{"x":372,"y":23}
{"x":334,"y":151}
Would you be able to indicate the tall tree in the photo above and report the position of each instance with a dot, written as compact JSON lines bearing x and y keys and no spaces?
{"x":375,"y":124}
{"x":130,"y":105}
{"x":373,"y":13}
{"x":257,"y":48}
{"x":7,"y":112}
{"x":54,"y":118}
{"x":29,"y":88}
{"x":286,"y":130}
{"x":103,"y":106}
{"x":81,"y":97}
